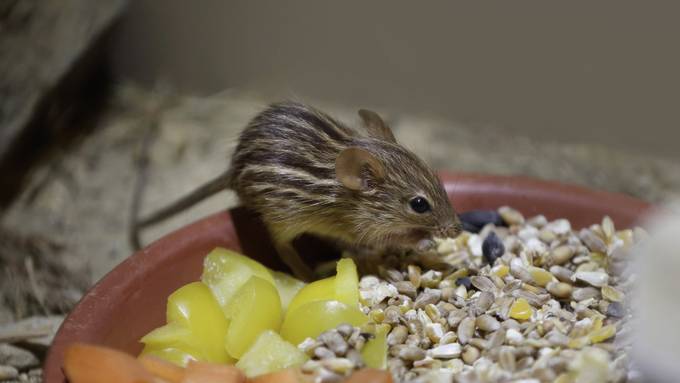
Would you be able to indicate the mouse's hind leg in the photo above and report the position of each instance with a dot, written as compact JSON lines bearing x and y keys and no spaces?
{"x":292,"y":259}
{"x":283,"y":233}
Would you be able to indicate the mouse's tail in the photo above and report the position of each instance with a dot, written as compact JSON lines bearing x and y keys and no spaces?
{"x":210,"y":188}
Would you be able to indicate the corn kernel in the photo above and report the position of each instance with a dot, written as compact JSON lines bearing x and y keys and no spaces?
{"x":541,"y":276}
{"x":602,"y":334}
{"x":501,"y":270}
{"x":521,"y":309}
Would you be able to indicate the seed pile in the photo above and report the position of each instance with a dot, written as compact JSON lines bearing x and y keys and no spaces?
{"x":509,"y":299}
{"x":335,"y":353}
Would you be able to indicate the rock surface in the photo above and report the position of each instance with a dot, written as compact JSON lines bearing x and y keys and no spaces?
{"x":39,"y":42}
{"x":17,"y":357}
{"x":38,"y":331}
{"x":46,"y":62}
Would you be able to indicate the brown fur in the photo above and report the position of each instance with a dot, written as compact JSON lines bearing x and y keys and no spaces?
{"x":284,"y":168}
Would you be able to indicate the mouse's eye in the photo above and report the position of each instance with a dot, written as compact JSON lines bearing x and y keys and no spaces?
{"x":420,"y":205}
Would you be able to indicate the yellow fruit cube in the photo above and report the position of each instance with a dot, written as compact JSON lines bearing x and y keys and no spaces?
{"x":196,"y":328}
{"x":347,"y":282}
{"x":321,"y":290}
{"x":287,"y":286}
{"x":313,"y":318}
{"x":374,"y":352}
{"x":225,"y":271}
{"x":255,"y":308}
{"x":270,"y":353}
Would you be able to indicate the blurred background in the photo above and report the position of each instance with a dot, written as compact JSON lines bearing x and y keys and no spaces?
{"x":114,"y":108}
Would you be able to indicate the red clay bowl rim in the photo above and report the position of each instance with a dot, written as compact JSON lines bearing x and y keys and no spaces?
{"x":500,"y":184}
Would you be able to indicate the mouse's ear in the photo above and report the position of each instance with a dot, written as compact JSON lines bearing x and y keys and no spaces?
{"x":375,"y":126}
{"x":351,"y":165}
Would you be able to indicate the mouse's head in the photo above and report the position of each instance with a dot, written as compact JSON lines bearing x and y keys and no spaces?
{"x":396,"y":199}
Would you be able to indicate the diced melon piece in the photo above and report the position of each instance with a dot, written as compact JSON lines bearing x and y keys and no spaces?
{"x":347,"y":282}
{"x":313,"y":318}
{"x":254,"y":308}
{"x":225,"y":271}
{"x":194,"y":307}
{"x":288,"y":287}
{"x":374,"y":352}
{"x":171,"y":335}
{"x":270,"y":353}
{"x":321,"y":290}
{"x":173,"y":342}
{"x":343,"y":287}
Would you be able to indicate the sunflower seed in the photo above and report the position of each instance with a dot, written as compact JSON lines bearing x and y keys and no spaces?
{"x":561,"y":255}
{"x":323,"y":353}
{"x":487,"y":323}
{"x":593,"y":242}
{"x":482,"y":303}
{"x":470,"y":354}
{"x":593,"y":278}
{"x":506,"y":359}
{"x":427,"y":297}
{"x":466,"y":330}
{"x":411,"y":353}
{"x":483,"y":283}
{"x":406,"y":288}
{"x":397,"y":336}
{"x":562,"y":273}
{"x":414,"y":275}
{"x":447,"y":351}
{"x":511,"y":216}
{"x":559,"y":289}
{"x":514,"y":337}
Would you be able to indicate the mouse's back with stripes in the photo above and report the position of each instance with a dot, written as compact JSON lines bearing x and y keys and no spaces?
{"x":302,"y":170}
{"x":287,"y":154}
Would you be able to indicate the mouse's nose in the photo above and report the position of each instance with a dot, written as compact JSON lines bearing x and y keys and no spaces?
{"x":450,"y":230}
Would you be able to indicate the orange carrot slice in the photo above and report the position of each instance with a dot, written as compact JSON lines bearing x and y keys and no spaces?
{"x":94,"y":364}
{"x":370,"y":375}
{"x":203,"y":372}
{"x":163,"y":369}
{"x":289,"y":375}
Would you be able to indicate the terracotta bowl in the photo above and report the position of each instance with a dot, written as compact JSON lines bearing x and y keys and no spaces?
{"x":130,"y":300}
